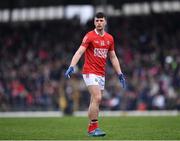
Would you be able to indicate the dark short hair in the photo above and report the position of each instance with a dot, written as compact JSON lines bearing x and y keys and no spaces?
{"x":100,"y":15}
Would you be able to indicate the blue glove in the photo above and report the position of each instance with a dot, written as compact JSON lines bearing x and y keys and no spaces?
{"x":69,"y":71}
{"x":122,"y":80}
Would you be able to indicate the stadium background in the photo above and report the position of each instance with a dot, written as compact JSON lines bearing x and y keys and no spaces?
{"x":39,"y":37}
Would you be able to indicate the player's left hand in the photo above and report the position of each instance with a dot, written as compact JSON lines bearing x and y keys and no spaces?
{"x":122,"y":80}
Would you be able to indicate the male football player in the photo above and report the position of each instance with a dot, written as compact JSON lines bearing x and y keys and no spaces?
{"x":97,"y":45}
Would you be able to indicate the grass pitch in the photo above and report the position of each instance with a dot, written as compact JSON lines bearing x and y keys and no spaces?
{"x":74,"y":128}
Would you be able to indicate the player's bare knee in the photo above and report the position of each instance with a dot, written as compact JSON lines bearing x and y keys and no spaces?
{"x":98,"y":99}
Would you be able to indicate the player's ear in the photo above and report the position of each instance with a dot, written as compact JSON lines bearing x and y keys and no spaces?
{"x":105,"y":22}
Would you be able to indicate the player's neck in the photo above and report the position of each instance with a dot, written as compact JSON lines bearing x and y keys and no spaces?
{"x":100,"y":32}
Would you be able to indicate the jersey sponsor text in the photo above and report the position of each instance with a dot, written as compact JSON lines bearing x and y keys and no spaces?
{"x":100,"y":52}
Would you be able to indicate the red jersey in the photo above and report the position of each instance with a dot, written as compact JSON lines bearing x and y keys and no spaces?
{"x":96,"y":53}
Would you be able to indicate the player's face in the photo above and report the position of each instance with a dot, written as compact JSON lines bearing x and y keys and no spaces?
{"x":99,"y":23}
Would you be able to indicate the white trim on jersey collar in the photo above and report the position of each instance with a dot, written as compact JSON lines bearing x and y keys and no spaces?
{"x":98,"y":33}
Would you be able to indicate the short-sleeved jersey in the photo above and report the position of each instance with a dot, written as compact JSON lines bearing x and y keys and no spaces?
{"x":97,"y":48}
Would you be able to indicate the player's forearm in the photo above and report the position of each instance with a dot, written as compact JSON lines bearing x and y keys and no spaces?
{"x":75,"y":59}
{"x":116,"y":64}
{"x":77,"y":56}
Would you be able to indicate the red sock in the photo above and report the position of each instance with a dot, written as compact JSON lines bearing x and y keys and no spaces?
{"x":92,"y":126}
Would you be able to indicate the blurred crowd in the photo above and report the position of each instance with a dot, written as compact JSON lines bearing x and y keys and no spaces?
{"x":35,"y":55}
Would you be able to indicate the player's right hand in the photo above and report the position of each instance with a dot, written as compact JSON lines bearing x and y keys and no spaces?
{"x":69,"y":71}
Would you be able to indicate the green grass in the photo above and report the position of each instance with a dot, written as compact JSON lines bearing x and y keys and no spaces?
{"x":74,"y":128}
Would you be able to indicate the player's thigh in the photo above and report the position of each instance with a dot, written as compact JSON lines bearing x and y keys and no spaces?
{"x":95,"y":92}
